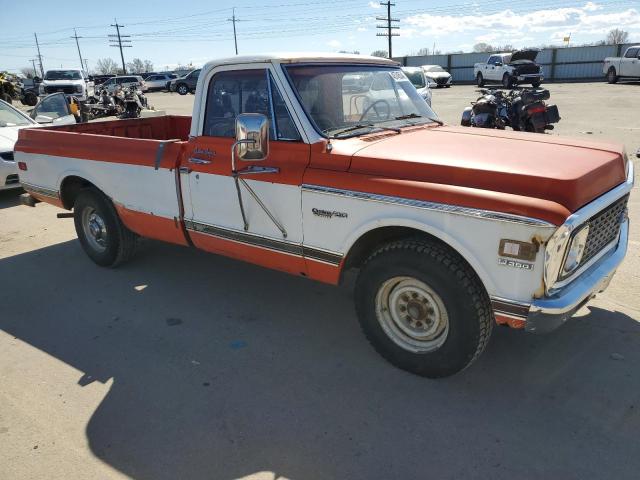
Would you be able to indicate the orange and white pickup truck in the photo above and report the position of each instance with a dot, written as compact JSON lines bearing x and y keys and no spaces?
{"x":451,"y":230}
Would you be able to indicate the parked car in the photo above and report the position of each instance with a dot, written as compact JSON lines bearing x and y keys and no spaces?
{"x":100,"y":79}
{"x":12,"y":120}
{"x":159,"y":81}
{"x":124,"y":81}
{"x":510,"y":69}
{"x":69,"y":81}
{"x":418,"y":79}
{"x":450,"y":232}
{"x":186,"y":84}
{"x":627,"y":66}
{"x":438,"y":75}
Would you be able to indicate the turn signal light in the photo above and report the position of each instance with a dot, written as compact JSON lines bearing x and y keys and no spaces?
{"x":22,"y":166}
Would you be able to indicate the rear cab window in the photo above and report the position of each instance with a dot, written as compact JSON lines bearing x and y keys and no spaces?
{"x":632,"y":53}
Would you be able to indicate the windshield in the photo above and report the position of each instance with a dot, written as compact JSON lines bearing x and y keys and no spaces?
{"x":416,"y":78}
{"x":386,"y":98}
{"x":433,"y":68}
{"x":63,"y":75}
{"x":10,"y":118}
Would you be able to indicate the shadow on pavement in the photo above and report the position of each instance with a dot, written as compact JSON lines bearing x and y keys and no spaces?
{"x":223,"y":369}
{"x":10,"y":198}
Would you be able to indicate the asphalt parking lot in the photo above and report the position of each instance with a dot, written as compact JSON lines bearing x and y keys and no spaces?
{"x":182,"y":364}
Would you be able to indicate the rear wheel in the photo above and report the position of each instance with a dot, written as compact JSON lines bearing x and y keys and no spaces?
{"x":100,"y":231}
{"x":612,"y":76}
{"x":479,"y":80}
{"x":423,"y":308}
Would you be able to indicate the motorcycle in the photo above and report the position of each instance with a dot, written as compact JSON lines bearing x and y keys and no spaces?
{"x":521,"y":109}
{"x":133,"y":101}
{"x":123,"y":103}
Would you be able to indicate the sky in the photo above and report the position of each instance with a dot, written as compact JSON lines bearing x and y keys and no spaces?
{"x":169,"y":33}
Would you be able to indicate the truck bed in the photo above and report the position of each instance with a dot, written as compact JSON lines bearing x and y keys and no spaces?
{"x":134,"y":162}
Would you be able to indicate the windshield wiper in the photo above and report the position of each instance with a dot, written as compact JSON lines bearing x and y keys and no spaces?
{"x":361,"y":125}
{"x":415,"y":115}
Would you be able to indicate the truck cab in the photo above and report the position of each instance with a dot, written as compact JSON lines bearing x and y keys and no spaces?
{"x":316,"y":165}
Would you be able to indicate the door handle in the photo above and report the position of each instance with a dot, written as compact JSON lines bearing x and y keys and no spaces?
{"x":199,"y":161}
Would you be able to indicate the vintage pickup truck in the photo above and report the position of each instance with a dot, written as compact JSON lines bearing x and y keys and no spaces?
{"x":451,"y":230}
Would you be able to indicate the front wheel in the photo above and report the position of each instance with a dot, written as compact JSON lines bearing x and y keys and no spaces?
{"x":612,"y":77}
{"x":480,"y":80}
{"x":423,"y":308}
{"x":507,"y":81}
{"x":100,"y":231}
{"x":535,"y":83}
{"x":182,"y":89}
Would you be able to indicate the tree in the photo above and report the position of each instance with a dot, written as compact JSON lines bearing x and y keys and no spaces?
{"x":422,"y":52}
{"x":28,"y":72}
{"x":355,"y":52}
{"x":380,"y":53}
{"x":135,"y":66}
{"x":106,"y":66}
{"x":148,"y":66}
{"x":617,"y":36}
{"x":483,"y":47}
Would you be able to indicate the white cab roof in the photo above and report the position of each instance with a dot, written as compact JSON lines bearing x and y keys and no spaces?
{"x":303,"y":57}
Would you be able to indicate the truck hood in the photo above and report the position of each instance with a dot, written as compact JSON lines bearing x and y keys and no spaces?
{"x":568,"y":172}
{"x":62,"y":82}
{"x":437,"y":74}
{"x":529,"y":54}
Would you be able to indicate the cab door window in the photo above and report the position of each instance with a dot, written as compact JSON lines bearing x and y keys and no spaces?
{"x":231,"y":93}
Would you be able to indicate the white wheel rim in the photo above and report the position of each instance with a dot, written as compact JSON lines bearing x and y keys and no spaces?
{"x":412,"y":315}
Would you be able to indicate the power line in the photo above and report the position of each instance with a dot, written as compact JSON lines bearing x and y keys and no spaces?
{"x":390,"y":26}
{"x":120,"y":43}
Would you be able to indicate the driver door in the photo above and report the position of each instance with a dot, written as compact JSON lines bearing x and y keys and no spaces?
{"x":212,"y":210}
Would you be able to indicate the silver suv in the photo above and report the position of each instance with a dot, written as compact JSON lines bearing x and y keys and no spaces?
{"x":124,"y":81}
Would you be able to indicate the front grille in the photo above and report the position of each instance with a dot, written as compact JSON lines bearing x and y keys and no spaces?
{"x":12,"y":179}
{"x":8,"y":156}
{"x":604,"y":228}
{"x":68,"y":89}
{"x":441,"y":80}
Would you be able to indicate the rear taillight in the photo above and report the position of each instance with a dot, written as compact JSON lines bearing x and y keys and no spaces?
{"x":22,"y":166}
{"x":536,"y":109}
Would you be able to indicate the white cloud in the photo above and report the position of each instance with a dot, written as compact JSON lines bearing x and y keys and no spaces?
{"x":361,"y":29}
{"x":334,"y":43}
{"x":508,"y":26}
{"x":375,"y":5}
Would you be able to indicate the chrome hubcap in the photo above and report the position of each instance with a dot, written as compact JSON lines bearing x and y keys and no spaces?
{"x":412,"y":314}
{"x":95,"y":229}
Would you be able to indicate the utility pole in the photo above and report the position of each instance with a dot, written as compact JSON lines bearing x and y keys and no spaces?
{"x":33,"y":62}
{"x":75,"y":35}
{"x":39,"y":56}
{"x":234,"y":20}
{"x":389,"y":27}
{"x":86,"y":65}
{"x":120,"y":43}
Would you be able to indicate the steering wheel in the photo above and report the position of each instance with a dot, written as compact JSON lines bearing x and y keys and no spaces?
{"x":373,"y":105}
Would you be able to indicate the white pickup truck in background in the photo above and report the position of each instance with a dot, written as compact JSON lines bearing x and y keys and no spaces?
{"x":68,"y":81}
{"x":509,"y":69}
{"x":627,"y":66}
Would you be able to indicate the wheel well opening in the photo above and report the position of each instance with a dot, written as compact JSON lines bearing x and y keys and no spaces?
{"x":373,"y":239}
{"x":70,"y":188}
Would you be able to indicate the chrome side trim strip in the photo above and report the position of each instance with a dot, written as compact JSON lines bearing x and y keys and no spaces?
{"x":46,"y":192}
{"x":332,"y":258}
{"x":440,"y":207}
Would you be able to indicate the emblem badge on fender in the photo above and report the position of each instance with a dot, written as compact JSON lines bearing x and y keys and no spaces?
{"x":328,"y":213}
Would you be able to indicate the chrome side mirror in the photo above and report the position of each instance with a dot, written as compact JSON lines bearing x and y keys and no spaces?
{"x":252,"y":136}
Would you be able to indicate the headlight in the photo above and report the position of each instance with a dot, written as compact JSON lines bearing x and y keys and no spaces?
{"x":575,"y":251}
{"x":79,"y":88}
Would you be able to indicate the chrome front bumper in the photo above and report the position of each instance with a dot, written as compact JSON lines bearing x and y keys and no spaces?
{"x":529,"y":76}
{"x":548,"y":313}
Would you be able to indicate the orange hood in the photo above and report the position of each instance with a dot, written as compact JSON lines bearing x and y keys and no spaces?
{"x":566,"y":171}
